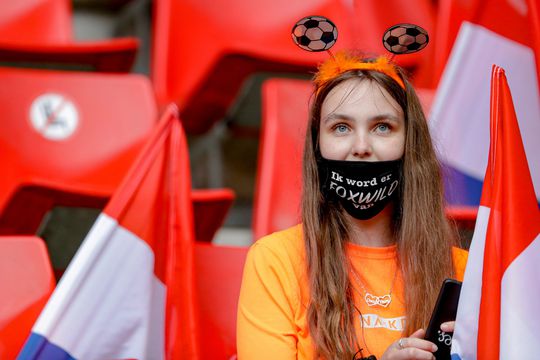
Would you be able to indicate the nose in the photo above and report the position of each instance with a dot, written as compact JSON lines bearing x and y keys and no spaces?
{"x":361,"y":148}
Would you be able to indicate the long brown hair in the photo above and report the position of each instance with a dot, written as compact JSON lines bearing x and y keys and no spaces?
{"x":423,"y":235}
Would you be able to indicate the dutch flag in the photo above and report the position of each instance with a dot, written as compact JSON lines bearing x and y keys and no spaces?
{"x":128,"y":292}
{"x":498,"y":314}
{"x":460,"y":111}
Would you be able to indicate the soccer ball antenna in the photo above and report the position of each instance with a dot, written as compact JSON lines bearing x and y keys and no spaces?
{"x":404,"y":39}
{"x":315,"y":33}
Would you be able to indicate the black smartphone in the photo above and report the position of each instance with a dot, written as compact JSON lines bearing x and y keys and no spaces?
{"x":445,"y":310}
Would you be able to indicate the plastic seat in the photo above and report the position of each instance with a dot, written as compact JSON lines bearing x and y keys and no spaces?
{"x":279,"y":170}
{"x":210,"y":208}
{"x":26,"y":282}
{"x":48,"y":158}
{"x":204,"y":50}
{"x":85,"y":168}
{"x":465,"y":216}
{"x":39,"y":32}
{"x":218,"y":275}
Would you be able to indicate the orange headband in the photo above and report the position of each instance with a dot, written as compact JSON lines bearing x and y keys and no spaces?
{"x":342,"y":62}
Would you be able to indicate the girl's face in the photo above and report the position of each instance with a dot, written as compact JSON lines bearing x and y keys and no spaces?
{"x":361,"y":121}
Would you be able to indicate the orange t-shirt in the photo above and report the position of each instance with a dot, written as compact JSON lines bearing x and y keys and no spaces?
{"x":273,"y":300}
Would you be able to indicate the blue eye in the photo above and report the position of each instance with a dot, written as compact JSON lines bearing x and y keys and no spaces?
{"x":383,"y":127}
{"x":341,"y":128}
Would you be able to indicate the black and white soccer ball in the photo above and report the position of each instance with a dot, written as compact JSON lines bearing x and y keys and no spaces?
{"x":315,"y":33}
{"x":405,"y":38}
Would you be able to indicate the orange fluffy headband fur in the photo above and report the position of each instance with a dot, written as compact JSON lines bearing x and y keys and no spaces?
{"x":343,"y":61}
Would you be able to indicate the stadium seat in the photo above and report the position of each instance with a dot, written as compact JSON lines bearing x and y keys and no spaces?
{"x":201,"y":56}
{"x":465,"y":216}
{"x":210,"y":207}
{"x":38,"y":33}
{"x":204,"y":50}
{"x":285,"y":106}
{"x":279,"y":176}
{"x":67,"y":139}
{"x":218,"y":275}
{"x":26,"y":282}
{"x":84,"y":168}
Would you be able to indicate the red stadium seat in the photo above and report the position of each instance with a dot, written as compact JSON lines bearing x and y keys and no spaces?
{"x":36,"y":32}
{"x":218,"y":274}
{"x":26,"y":282}
{"x":205,"y":49}
{"x":115,"y":112}
{"x":279,"y":176}
{"x":210,"y":207}
{"x":51,"y":159}
{"x":465,"y":216}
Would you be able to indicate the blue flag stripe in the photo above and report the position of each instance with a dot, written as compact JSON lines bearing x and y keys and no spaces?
{"x":38,"y":347}
{"x":460,"y":188}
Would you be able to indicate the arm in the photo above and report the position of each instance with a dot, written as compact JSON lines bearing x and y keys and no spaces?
{"x":267,"y":303}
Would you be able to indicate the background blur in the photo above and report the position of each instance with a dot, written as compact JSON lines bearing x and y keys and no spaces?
{"x":218,"y":159}
{"x":224,"y":152}
{"x":83,"y":84}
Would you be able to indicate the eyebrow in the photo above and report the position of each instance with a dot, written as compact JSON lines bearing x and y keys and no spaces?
{"x":334,"y":116}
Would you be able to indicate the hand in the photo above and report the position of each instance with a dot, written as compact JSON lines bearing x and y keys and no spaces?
{"x":448,"y":326}
{"x":412,"y":347}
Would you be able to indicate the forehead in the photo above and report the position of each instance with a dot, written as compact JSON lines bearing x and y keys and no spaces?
{"x":360,"y":97}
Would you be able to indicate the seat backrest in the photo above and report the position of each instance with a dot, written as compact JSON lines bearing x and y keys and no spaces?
{"x":229,"y":40}
{"x":210,"y":208}
{"x":218,"y":274}
{"x":279,"y":171}
{"x":36,"y":21}
{"x":38,"y":33}
{"x":203,"y":72}
{"x":67,"y":139}
{"x":26,"y":281}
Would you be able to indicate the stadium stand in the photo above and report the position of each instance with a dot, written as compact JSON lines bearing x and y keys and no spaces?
{"x":38,"y":33}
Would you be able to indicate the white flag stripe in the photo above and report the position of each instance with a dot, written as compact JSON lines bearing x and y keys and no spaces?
{"x":520,"y":295}
{"x":462,"y":100}
{"x":81,"y":264}
{"x":467,"y":316}
{"x":120,"y":298}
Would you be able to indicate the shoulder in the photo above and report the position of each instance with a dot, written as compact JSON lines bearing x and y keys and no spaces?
{"x":459,"y":257}
{"x":288,"y":241}
{"x":288,"y":237}
{"x":277,"y":262}
{"x":283,"y":248}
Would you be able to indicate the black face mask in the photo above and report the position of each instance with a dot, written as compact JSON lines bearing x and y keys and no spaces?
{"x":363,"y":188}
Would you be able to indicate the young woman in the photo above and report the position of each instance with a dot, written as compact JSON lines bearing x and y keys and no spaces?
{"x":361,"y":274}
